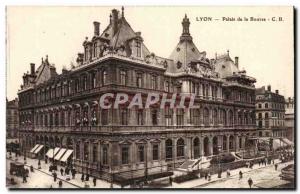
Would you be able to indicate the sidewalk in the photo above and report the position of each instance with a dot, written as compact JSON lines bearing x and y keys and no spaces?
{"x":76,"y":182}
{"x":214,"y":178}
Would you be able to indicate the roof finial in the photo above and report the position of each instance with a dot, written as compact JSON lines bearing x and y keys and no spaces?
{"x":110,"y":16}
{"x":122,"y":11}
{"x":186,"y":25}
{"x":228,"y":52}
{"x":216,"y":55}
{"x":42,"y":60}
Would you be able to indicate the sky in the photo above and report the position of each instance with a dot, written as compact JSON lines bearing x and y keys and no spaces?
{"x":265,"y":49}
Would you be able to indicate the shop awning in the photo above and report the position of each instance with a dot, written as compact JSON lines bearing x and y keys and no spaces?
{"x":66,"y":155}
{"x":38,"y":149}
{"x":60,"y":154}
{"x":34,"y":148}
{"x":50,"y":153}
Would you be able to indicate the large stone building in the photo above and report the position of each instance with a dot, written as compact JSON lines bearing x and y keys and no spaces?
{"x":62,"y":110}
{"x":12,"y":119}
{"x":289,"y":121}
{"x":270,"y":108}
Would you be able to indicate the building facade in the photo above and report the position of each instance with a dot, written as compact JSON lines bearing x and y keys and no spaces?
{"x":289,"y":120}
{"x":270,"y":113}
{"x":12,"y":119}
{"x":63,"y":110}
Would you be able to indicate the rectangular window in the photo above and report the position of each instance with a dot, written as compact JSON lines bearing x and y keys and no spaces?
{"x":169,"y":116}
{"x":124,"y":117}
{"x":154,"y":117}
{"x":141,"y":153}
{"x":125,"y":155}
{"x":123,"y":77}
{"x":140,"y":117}
{"x":153,"y":82}
{"x":139,"y":80}
{"x":179,"y":117}
{"x":155,"y":152}
{"x":104,"y":117}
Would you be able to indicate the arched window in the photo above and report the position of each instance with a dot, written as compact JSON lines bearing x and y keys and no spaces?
{"x":180,"y":148}
{"x":215,"y":117}
{"x":169,"y":149}
{"x":266,"y":105}
{"x":206,"y":116}
{"x":231,"y":142}
{"x":224,"y":142}
{"x":196,"y":145}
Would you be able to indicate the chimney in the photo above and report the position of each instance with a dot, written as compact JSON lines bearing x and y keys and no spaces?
{"x":236,"y":61}
{"x":96,"y":28}
{"x":115,"y":20}
{"x":32,"y":68}
{"x":276,"y":91}
{"x":269,"y":88}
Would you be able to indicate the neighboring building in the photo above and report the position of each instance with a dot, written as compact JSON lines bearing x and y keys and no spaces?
{"x":12,"y":119}
{"x":270,"y":113}
{"x":289,"y":121}
{"x":62,"y":110}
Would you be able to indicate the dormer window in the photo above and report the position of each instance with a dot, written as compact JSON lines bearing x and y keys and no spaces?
{"x":95,"y":49}
{"x":138,"y":49}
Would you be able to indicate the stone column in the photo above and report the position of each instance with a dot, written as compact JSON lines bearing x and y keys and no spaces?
{"x":163,"y":149}
{"x":236,"y":146}
{"x":201,"y":146}
{"x":188,"y":148}
{"x":210,"y":146}
{"x":227,"y":143}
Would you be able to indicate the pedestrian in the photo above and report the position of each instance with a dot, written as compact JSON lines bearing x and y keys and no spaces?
{"x":241,"y":174}
{"x":209,"y":176}
{"x":250,"y":182}
{"x":82,"y":177}
{"x":228,"y":173}
{"x":87,"y":178}
{"x":276,"y":166}
{"x":46,"y":160}
{"x":259,"y":163}
{"x":94,"y":181}
{"x":60,"y":184}
{"x":62,"y":172}
{"x":39,"y":164}
{"x":24,"y":178}
{"x":73,"y":173}
{"x":170,"y":180}
{"x":54,"y":176}
{"x":273,"y":161}
{"x":31,"y":169}
{"x":205,"y":176}
{"x":219,"y":173}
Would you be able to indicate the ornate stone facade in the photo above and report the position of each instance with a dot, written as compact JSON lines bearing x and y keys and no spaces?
{"x":63,"y":110}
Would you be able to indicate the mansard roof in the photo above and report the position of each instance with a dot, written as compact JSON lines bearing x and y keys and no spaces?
{"x":225,"y":66}
{"x":185,"y":51}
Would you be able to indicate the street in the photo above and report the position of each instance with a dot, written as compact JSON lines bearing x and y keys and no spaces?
{"x":43,"y":178}
{"x":260,"y":175}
